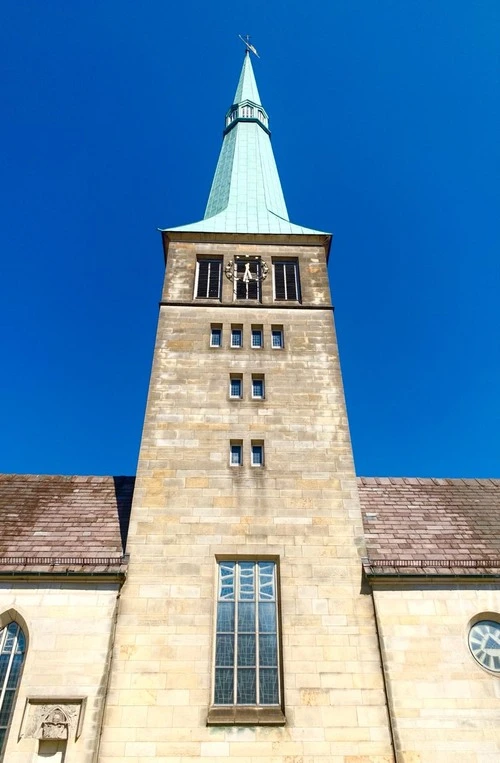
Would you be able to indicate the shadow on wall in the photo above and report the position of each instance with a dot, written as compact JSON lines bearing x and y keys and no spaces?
{"x":124,"y":491}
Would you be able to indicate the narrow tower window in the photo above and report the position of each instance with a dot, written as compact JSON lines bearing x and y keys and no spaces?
{"x":286,"y":280}
{"x":256,"y":337}
{"x":235,"y":387}
{"x":257,"y":454}
{"x":236,"y":337}
{"x":208,"y":279}
{"x":246,"y":649}
{"x":215,"y":336}
{"x":12,"y":651}
{"x":258,"y":387}
{"x":235,"y":453}
{"x":277,"y":338}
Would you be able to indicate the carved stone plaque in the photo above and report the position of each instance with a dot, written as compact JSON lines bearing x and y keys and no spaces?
{"x":49,"y":718}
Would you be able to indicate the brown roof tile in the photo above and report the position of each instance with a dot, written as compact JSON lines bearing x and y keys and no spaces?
{"x":438,"y":525}
{"x":50,"y":520}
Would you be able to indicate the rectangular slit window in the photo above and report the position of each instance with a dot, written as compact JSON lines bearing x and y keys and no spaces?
{"x":215,"y":336}
{"x":256,"y":338}
{"x":277,"y":338}
{"x":258,"y":387}
{"x":236,"y":337}
{"x":208,"y":278}
{"x":257,"y":454}
{"x":246,"y":645}
{"x":236,"y":454}
{"x":235,"y":387}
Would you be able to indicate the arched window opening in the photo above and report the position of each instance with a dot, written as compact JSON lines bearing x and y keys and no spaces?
{"x":12,"y":652}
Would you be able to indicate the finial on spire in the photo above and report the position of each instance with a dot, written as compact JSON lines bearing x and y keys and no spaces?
{"x":249,"y":47}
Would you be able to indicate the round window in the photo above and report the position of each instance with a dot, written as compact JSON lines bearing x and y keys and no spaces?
{"x":484,"y":643}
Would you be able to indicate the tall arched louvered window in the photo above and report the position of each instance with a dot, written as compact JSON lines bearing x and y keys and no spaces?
{"x":12,"y":651}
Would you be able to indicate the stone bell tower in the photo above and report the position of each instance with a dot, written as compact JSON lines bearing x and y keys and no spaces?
{"x":242,"y":628}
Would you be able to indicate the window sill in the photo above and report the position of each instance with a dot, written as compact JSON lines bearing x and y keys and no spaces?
{"x":245,"y":716}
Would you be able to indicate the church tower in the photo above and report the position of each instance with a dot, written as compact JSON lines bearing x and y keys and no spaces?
{"x":243,"y":630}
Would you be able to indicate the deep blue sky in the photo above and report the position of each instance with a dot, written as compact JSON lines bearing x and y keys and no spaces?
{"x":385,"y":118}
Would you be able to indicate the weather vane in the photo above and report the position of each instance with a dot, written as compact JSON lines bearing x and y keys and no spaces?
{"x":246,"y":41}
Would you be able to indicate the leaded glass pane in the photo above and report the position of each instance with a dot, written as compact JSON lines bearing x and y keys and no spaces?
{"x":277,"y":338}
{"x":224,"y":686}
{"x":236,"y":338}
{"x":258,"y":388}
{"x":12,"y":645}
{"x":247,"y":581}
{"x":226,"y":578}
{"x":246,"y":634}
{"x":267,"y":617}
{"x":224,"y":650}
{"x":247,"y":650}
{"x":266,"y":581}
{"x":246,"y":617}
{"x":225,"y":617}
{"x":4,"y":664}
{"x":268,"y":650}
{"x":246,"y":694}
{"x":235,"y":387}
{"x":21,"y":642}
{"x":15,"y":671}
{"x":257,"y":455}
{"x":268,"y":686}
{"x":256,"y":338}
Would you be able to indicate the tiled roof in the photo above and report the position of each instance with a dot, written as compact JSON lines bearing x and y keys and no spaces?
{"x":63,"y":524}
{"x":431,"y":526}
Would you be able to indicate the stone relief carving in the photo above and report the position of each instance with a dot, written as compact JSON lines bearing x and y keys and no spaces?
{"x":49,"y":720}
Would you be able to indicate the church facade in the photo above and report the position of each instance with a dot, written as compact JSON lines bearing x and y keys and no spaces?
{"x":247,"y":596}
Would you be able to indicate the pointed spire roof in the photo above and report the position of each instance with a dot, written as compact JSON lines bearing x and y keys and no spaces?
{"x":246,"y":194}
{"x":247,"y":86}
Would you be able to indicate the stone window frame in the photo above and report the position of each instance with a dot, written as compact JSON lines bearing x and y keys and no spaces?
{"x":249,"y":715}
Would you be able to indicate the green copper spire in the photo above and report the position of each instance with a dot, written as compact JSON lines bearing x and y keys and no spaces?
{"x":246,"y":194}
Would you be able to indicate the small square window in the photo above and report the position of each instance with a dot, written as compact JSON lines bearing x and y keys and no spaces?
{"x":215,"y":336}
{"x":236,"y":387}
{"x":258,"y":387}
{"x":235,"y":458}
{"x":236,"y":337}
{"x":257,"y":338}
{"x":257,"y":454}
{"x":277,"y":339}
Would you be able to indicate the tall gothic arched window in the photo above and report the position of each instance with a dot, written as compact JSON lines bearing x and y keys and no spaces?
{"x":12,"y":652}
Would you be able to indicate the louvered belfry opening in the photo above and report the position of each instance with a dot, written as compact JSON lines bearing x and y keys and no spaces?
{"x":209,"y":279}
{"x":286,"y":280}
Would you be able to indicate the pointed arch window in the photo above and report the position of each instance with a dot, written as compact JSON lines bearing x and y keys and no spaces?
{"x":12,"y":653}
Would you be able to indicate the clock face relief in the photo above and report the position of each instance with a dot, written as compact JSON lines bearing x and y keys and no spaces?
{"x":484,"y":643}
